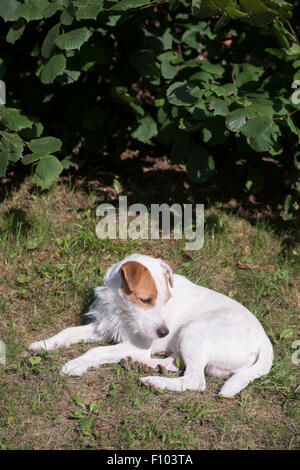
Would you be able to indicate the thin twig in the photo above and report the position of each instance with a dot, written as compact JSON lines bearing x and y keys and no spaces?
{"x":286,"y":115}
{"x":292,"y":31}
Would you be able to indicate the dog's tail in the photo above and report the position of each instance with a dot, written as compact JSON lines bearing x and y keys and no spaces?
{"x":241,"y":378}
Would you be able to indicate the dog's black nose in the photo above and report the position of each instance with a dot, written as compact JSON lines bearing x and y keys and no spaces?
{"x":162,"y":332}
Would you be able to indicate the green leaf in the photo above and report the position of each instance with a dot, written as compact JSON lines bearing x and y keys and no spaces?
{"x":184,"y":94}
{"x":297,"y":75}
{"x":223,"y":21}
{"x":287,"y":333}
{"x":168,"y":70}
{"x":261,"y":106}
{"x":30,"y":11}
{"x":179,"y":363}
{"x":219,"y":106}
{"x":34,"y":131}
{"x":168,"y":61}
{"x":34,"y":361}
{"x":22,"y":279}
{"x":47,"y":170}
{"x":260,"y":143}
{"x":33,"y":157}
{"x":86,"y":424}
{"x":45,"y":145}
{"x":276,"y":52}
{"x":49,"y":41}
{"x":258,"y":13}
{"x":32,"y":244}
{"x":88,"y":10}
{"x":53,"y":68}
{"x":200,"y":164}
{"x":93,"y":407}
{"x":14,"y":119}
{"x":52,"y":8}
{"x":234,"y":13}
{"x":281,"y":35}
{"x":16,"y":31}
{"x":146,"y":129}
{"x":69,"y":76}
{"x":129,"y":4}
{"x":215,"y":69}
{"x":73,"y":39}
{"x":79,"y":401}
{"x":8,"y":9}
{"x":191,"y":38}
{"x":250,"y":73}
{"x":13,"y":142}
{"x":67,"y":162}
{"x":293,"y":128}
{"x":204,"y":8}
{"x":228,"y":89}
{"x":76,"y":414}
{"x":68,"y":15}
{"x":4,"y":159}
{"x":236,"y":119}
{"x":256,"y":126}
{"x":288,"y":208}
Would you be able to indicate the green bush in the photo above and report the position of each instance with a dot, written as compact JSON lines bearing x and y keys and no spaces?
{"x":190,"y":76}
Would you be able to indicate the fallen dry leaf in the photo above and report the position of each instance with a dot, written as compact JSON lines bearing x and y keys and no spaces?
{"x":243,"y":265}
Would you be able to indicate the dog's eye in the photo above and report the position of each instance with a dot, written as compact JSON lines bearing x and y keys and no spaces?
{"x":146,"y":301}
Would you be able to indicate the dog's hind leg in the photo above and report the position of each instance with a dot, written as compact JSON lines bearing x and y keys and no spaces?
{"x":193,"y":378}
{"x":195,"y":362}
{"x":243,"y":376}
{"x":69,"y":336}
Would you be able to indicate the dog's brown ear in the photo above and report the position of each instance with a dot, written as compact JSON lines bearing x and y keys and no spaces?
{"x":131,"y":273}
{"x":169,"y":270}
{"x":137,"y":280}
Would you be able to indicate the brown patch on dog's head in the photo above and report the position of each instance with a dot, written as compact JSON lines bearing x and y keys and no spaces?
{"x":138,"y":285}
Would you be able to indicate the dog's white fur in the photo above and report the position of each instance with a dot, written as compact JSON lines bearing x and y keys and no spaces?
{"x":212,"y":333}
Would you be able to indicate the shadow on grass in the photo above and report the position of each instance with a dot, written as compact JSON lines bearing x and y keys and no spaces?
{"x":16,"y":222}
{"x":148,"y":178}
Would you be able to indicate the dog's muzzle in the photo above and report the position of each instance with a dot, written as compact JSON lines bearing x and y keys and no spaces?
{"x":162,"y":332}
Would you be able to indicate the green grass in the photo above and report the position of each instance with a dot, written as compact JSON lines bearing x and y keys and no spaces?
{"x":50,"y":261}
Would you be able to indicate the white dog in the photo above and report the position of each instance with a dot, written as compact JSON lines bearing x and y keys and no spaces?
{"x":145,"y":309}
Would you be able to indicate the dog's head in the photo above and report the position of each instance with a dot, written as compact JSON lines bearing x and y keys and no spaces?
{"x":146,"y":288}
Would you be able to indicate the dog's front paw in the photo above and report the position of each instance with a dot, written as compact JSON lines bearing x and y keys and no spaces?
{"x":38,"y":345}
{"x":74,"y":368}
{"x":154,"y":381}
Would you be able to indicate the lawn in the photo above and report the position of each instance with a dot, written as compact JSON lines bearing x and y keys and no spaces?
{"x":50,"y":261}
